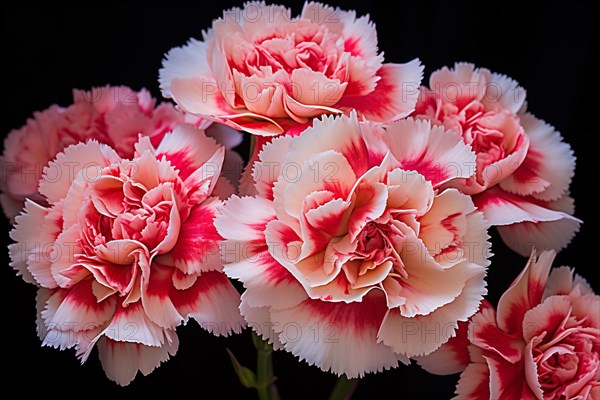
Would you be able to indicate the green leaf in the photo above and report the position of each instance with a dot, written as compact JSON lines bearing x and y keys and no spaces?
{"x":245,"y":375}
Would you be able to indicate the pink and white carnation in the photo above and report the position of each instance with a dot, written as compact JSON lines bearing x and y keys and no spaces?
{"x":543,"y":342}
{"x":523,"y":168}
{"x":352,"y":254}
{"x":263,"y":71}
{"x":113,"y":115}
{"x":125,"y":250}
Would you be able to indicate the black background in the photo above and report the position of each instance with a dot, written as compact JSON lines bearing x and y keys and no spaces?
{"x":49,"y":49}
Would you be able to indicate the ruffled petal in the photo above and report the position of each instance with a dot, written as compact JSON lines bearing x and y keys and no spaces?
{"x":452,"y":357}
{"x":183,"y":62}
{"x":438,"y":154}
{"x":538,"y":225}
{"x":344,"y":136}
{"x":259,"y":319}
{"x":506,"y":380}
{"x":488,"y":336}
{"x":121,"y":361}
{"x":474,"y":383}
{"x":201,"y":96}
{"x":547,"y":318}
{"x":213,"y":302}
{"x":246,"y":255}
{"x":460,"y":84}
{"x":87,"y":159}
{"x":503,"y":92}
{"x":131,"y":324}
{"x":188,"y":149}
{"x":423,"y":334}
{"x":503,"y":208}
{"x":269,"y":165}
{"x":525,"y":292}
{"x":30,"y":255}
{"x":338,"y":327}
{"x":395,"y":94}
{"x":197,"y":247}
{"x":549,"y":166}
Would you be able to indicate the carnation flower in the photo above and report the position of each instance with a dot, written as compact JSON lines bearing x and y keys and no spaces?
{"x":126,"y":250}
{"x":114,"y":115}
{"x":351,"y":243}
{"x":263,"y":71}
{"x":523,"y":167}
{"x":543,"y":342}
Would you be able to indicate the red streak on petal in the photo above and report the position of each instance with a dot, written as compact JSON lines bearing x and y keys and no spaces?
{"x":182,"y":162}
{"x":357,"y":156}
{"x":275,"y":272}
{"x":514,"y":316}
{"x":528,"y":171}
{"x":498,"y":340}
{"x":381,"y":101}
{"x":351,"y":46}
{"x":82,"y":295}
{"x":205,"y":283}
{"x":160,"y":281}
{"x":459,"y":344}
{"x":430,"y":169}
{"x":359,"y":316}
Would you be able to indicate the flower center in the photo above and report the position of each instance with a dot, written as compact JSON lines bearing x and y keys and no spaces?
{"x":373,"y":243}
{"x":490,"y":133}
{"x":557,"y":366}
{"x":126,"y":225}
{"x":316,"y":50}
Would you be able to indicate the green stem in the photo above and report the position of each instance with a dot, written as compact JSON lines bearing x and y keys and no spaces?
{"x":252,"y":146}
{"x":264,"y":370}
{"x":344,"y":388}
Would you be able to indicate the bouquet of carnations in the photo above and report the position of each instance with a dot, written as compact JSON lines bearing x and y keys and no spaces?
{"x":358,"y":226}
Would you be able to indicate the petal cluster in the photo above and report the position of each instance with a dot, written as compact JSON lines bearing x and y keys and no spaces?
{"x":125,"y":250}
{"x":352,"y":233}
{"x":261,"y":70}
{"x":113,"y":115}
{"x":542,"y":341}
{"x":523,"y":167}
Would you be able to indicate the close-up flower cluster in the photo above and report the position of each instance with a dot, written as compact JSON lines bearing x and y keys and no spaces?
{"x":355,"y":231}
